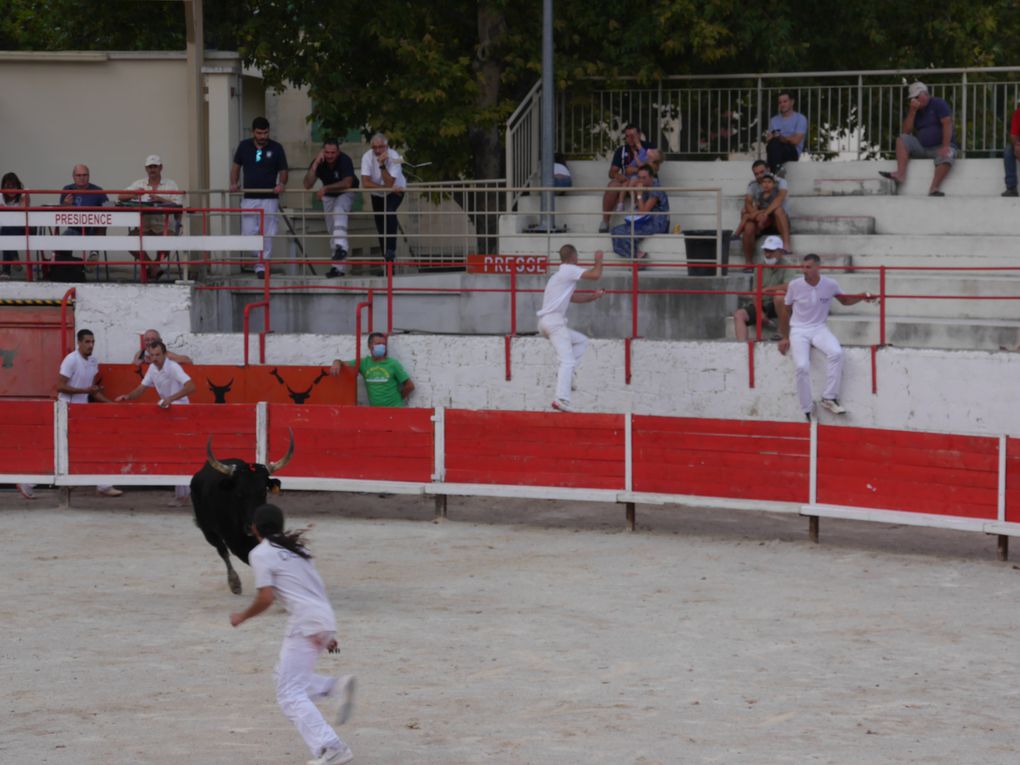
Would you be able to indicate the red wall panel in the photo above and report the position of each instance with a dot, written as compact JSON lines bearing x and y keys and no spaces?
{"x":27,"y":444}
{"x":535,"y":449}
{"x":722,"y":458}
{"x":936,"y":473}
{"x":1013,"y":480}
{"x":370,"y":443}
{"x":112,"y":438}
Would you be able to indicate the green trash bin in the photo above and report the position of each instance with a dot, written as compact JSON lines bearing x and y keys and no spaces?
{"x":703,"y":248}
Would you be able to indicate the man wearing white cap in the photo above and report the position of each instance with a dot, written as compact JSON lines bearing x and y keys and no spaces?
{"x":773,"y":286}
{"x":928,"y":133}
{"x":151,"y":191}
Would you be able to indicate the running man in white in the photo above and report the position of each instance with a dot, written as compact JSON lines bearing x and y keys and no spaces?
{"x":811,"y":297}
{"x":173,"y":385}
{"x":283,"y":569}
{"x":552,"y":318}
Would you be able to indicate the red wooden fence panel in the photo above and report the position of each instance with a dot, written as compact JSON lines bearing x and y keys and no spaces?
{"x":936,"y":473}
{"x":369,"y":443}
{"x":736,"y":459}
{"x":1013,"y":480}
{"x":27,"y":443}
{"x":116,"y":438}
{"x":535,"y":449}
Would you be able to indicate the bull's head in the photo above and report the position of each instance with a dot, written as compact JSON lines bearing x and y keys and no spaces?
{"x":228,"y":470}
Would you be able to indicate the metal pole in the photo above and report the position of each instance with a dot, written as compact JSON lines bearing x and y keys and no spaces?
{"x":548,"y":200}
{"x":198,"y":133}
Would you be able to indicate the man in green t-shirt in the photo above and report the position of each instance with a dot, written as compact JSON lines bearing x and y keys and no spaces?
{"x":774,"y":278}
{"x":386,"y":381}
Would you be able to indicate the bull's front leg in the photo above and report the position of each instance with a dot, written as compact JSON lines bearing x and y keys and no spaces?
{"x":233,"y":580}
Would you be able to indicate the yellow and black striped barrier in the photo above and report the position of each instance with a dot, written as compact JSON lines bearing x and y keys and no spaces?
{"x":31,"y":301}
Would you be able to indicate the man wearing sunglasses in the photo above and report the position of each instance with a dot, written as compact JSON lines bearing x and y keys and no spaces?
{"x":265,"y":178}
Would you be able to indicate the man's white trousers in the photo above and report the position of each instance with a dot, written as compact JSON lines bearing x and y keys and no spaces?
{"x":570,"y":347}
{"x":819,"y":336}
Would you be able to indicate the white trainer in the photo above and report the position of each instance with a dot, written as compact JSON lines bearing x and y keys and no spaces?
{"x":833,"y":405}
{"x":562,"y":406}
{"x":344,"y":693}
{"x":26,"y":490}
{"x":333,"y":757}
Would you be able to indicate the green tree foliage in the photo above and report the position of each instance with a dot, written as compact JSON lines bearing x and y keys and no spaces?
{"x":442,"y":77}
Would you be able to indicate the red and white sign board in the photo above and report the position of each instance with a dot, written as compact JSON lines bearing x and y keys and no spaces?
{"x":62,"y":218}
{"x":507,"y":264}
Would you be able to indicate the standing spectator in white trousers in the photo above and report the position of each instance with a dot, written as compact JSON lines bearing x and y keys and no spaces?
{"x":810,"y":297}
{"x":265,"y":178}
{"x":552,"y":318}
{"x":283,"y":569}
{"x":336,"y":171}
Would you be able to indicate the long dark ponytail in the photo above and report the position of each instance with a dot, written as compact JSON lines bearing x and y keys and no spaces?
{"x":268,"y":522}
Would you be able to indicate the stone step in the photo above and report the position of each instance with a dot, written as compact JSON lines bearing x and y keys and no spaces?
{"x":855,"y":187}
{"x":928,"y":332}
{"x":849,"y":225}
{"x":950,"y":215}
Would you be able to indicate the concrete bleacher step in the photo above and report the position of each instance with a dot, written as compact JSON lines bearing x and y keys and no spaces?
{"x":927,"y":332}
{"x":847,"y":225}
{"x":844,"y":187}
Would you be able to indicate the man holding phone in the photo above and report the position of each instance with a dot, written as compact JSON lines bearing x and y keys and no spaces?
{"x":928,"y":132}
{"x":785,"y":139}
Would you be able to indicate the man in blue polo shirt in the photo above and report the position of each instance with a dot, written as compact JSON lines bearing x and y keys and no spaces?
{"x":68,"y":268}
{"x":265,"y":178}
{"x":624,"y":167}
{"x":928,"y":132}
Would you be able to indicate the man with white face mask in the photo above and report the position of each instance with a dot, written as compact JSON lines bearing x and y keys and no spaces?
{"x":773,"y":286}
{"x":386,"y":382}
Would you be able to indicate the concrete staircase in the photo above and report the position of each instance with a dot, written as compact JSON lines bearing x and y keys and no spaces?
{"x":857,"y":221}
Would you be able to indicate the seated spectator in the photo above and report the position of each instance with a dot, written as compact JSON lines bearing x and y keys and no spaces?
{"x":650,"y":215}
{"x":764,"y":211}
{"x":561,"y":173}
{"x":67,"y":268}
{"x":386,"y":382}
{"x":1011,"y":154}
{"x":786,"y":134}
{"x":626,"y":161}
{"x":153,"y":224}
{"x":928,"y":133}
{"x":11,"y":181}
{"x":149,"y":337}
{"x":774,"y":278}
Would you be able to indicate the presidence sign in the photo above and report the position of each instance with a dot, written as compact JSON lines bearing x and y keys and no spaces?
{"x":72,"y":218}
{"x":507,"y":264}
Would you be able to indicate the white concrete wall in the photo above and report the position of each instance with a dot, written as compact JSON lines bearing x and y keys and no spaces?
{"x":954,"y":391}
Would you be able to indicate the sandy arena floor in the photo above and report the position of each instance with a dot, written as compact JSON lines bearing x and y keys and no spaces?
{"x":514,"y":632}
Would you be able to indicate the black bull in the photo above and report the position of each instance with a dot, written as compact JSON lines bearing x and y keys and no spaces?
{"x":224,"y":496}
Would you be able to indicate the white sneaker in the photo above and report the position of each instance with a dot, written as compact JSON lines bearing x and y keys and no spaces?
{"x":562,"y":406}
{"x":833,"y":405}
{"x":333,"y":757}
{"x":109,"y":492}
{"x":344,"y":692}
{"x":26,"y":490}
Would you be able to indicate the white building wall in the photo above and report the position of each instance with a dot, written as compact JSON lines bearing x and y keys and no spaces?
{"x":954,"y":391}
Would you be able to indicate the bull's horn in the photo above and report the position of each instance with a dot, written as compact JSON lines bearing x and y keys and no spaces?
{"x":214,"y":463}
{"x":272,"y":467}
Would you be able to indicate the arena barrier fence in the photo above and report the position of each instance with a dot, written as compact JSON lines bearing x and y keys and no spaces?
{"x":943,"y":480}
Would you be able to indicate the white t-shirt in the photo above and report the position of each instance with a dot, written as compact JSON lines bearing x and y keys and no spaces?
{"x":80,"y":373}
{"x":560,"y":169}
{"x":559,"y":290}
{"x":371,"y":169}
{"x":164,"y":185}
{"x":168,"y":380}
{"x":810,"y":304}
{"x":297,"y":585}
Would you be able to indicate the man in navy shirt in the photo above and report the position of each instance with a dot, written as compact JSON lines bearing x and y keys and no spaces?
{"x":336,"y":171}
{"x":76,"y":197}
{"x":624,"y":167}
{"x":265,"y":178}
{"x":928,"y":132}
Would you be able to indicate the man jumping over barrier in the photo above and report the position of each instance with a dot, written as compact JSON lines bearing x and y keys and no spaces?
{"x":552,"y":318}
